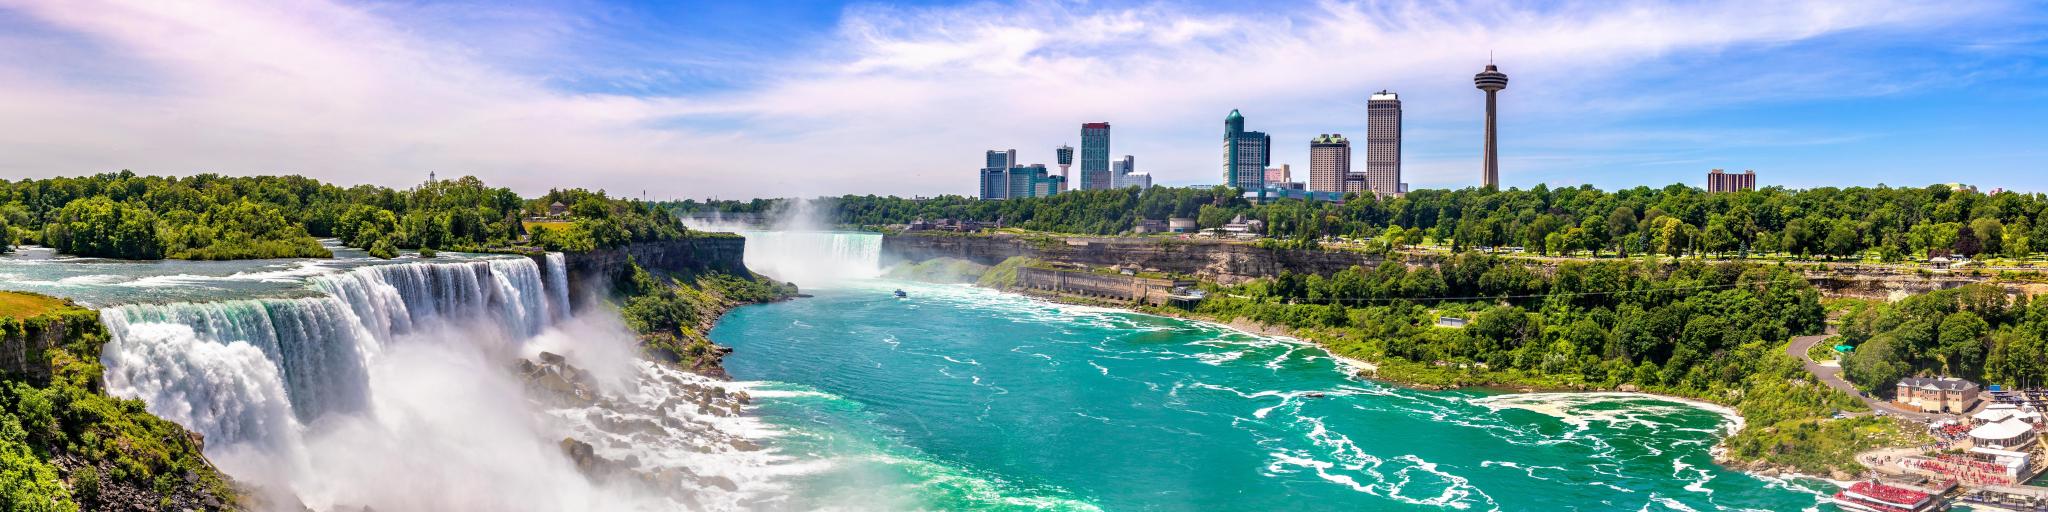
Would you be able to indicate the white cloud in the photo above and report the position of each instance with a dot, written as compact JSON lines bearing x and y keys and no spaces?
{"x":900,"y":101}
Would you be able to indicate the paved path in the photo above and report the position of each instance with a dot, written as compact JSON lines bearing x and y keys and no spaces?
{"x":1832,"y":376}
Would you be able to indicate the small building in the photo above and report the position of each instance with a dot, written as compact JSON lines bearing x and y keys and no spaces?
{"x":1450,"y":322}
{"x":557,"y":209}
{"x":2010,"y":435}
{"x":1181,"y":225}
{"x":1150,"y":226}
{"x":1937,"y":394}
{"x":1240,"y":226}
{"x":1939,"y":263}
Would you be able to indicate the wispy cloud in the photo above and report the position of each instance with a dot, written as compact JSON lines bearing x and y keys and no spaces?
{"x":892,"y":100}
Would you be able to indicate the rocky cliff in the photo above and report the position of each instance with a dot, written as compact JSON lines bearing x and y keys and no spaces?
{"x":717,"y":252}
{"x":69,"y":445}
{"x":1220,"y":261}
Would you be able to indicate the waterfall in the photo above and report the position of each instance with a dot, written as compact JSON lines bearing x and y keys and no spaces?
{"x":316,"y":349}
{"x":558,"y":284}
{"x":814,"y":258}
{"x":393,"y":386}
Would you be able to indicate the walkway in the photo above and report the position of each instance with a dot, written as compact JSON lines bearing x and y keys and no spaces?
{"x":1832,"y":376}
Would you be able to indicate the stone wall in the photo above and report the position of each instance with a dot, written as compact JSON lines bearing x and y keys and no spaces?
{"x":1213,"y":260}
{"x":1144,"y":290}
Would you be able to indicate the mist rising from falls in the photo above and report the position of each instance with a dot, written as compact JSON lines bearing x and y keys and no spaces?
{"x":797,"y":246}
{"x":814,"y":258}
{"x":393,"y":390}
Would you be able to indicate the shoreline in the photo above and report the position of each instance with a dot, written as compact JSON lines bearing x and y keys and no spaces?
{"x":1732,"y":419}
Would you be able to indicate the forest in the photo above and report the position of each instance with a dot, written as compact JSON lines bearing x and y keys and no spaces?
{"x":1881,"y":223}
{"x":1715,"y":331}
{"x":209,"y":216}
{"x":1975,"y":332}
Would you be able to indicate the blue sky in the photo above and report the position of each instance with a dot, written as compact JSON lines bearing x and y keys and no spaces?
{"x":745,"y":99}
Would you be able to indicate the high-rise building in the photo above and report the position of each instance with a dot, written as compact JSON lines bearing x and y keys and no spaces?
{"x":1126,"y":175}
{"x":1329,"y":163}
{"x":1019,"y":181}
{"x":1719,"y":181}
{"x":1491,"y":81}
{"x":1095,"y":157}
{"x":995,"y":183}
{"x":1032,"y":181}
{"x":995,"y":179}
{"x":1065,"y":155}
{"x":1245,"y":155}
{"x":1001,"y":159}
{"x":1383,"y":144}
{"x":1282,"y":174}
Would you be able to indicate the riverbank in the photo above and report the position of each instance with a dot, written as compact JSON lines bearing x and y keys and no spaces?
{"x":1767,"y":441}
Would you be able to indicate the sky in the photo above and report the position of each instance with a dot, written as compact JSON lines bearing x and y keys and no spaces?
{"x":800,"y":98}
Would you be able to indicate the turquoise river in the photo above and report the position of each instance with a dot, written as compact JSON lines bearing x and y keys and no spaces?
{"x":356,"y":383}
{"x":959,"y":398}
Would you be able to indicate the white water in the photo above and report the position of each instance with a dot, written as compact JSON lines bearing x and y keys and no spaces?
{"x":814,"y":258}
{"x":392,"y":391}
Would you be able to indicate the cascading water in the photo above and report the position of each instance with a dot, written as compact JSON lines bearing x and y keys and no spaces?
{"x":814,"y":258}
{"x":391,"y":389}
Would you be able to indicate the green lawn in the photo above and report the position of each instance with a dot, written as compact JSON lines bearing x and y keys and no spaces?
{"x":21,"y":305}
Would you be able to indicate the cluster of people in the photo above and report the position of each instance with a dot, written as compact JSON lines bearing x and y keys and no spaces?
{"x":1964,"y":470}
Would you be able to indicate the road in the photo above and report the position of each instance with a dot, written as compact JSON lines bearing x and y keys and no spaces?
{"x":1832,"y":376}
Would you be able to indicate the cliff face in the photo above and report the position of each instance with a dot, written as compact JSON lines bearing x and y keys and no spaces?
{"x":706,"y":252}
{"x":78,"y":448}
{"x":25,"y":345}
{"x":1223,"y":262}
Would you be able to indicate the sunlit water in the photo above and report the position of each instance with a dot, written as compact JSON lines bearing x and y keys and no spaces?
{"x":960,"y":398}
{"x":355,"y":381}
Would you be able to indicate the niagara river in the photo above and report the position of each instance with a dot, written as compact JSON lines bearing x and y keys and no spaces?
{"x":353,"y":382}
{"x":959,"y":398}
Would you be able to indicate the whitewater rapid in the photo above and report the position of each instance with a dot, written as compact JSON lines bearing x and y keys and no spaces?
{"x":392,"y":388}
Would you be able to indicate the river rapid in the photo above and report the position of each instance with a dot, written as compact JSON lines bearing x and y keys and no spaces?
{"x":959,"y":398}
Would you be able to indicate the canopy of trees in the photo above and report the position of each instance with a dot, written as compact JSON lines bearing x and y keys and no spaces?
{"x":1612,"y":322}
{"x":1974,"y":332}
{"x":208,"y":216}
{"x":1881,"y":222}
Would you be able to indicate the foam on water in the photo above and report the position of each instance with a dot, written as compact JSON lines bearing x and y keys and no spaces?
{"x":390,"y":388}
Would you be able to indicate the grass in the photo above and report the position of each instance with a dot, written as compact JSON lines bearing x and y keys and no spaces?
{"x":554,"y":225}
{"x":23,"y":305}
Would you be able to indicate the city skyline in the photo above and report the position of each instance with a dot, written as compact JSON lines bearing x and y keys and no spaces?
{"x":684,"y":102}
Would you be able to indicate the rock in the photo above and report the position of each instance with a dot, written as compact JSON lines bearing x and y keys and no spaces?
{"x":721,"y":482}
{"x":1630,"y":388}
{"x":1837,"y":474}
{"x":552,"y":358}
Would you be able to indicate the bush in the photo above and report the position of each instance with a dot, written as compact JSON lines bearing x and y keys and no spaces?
{"x":383,"y":249}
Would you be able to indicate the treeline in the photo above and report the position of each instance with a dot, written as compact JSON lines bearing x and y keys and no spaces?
{"x":1974,"y":332}
{"x":1881,"y":222}
{"x":1606,"y":323}
{"x":1714,"y":331}
{"x":208,"y":216}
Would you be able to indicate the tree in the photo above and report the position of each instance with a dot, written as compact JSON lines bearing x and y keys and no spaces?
{"x":1990,"y":235}
{"x":1966,"y":242}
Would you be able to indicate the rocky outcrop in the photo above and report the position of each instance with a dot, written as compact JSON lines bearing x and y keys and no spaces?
{"x":25,"y":344}
{"x":1213,"y":260}
{"x":700,"y":252}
